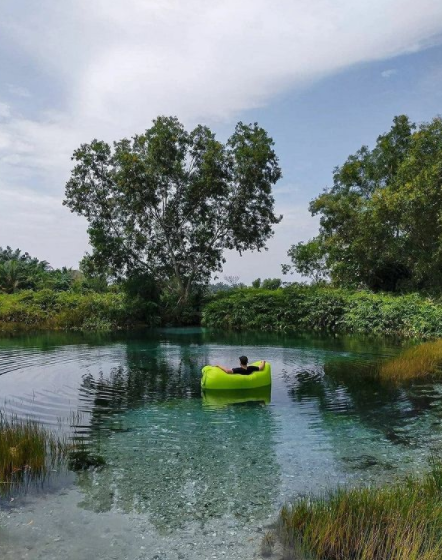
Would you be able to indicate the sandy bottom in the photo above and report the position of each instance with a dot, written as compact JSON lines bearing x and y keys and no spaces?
{"x":54,"y":527}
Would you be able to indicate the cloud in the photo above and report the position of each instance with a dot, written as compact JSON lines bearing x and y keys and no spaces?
{"x":110,"y":67}
{"x":5,"y":110}
{"x":388,"y":73}
{"x":40,"y":225}
{"x":19,"y":91}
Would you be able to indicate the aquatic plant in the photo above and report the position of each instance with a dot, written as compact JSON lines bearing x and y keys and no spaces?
{"x":267,"y":544}
{"x":81,"y":458}
{"x":419,"y":361}
{"x":398,"y":522}
{"x":27,"y":452}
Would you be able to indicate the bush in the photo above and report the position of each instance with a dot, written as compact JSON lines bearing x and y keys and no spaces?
{"x":323,"y":308}
{"x":69,"y":310}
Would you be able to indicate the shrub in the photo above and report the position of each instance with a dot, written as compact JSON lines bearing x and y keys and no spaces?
{"x":323,"y":308}
{"x":70,"y":310}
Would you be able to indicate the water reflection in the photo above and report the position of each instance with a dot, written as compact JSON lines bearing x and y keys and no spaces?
{"x":177,"y":455}
{"x":180,"y":462}
{"x":367,"y":419}
{"x":170,"y":453}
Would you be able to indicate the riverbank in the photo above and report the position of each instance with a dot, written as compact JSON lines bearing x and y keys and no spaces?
{"x":402,"y":520}
{"x":313,"y":308}
{"x":294,"y":308}
{"x":51,"y":310}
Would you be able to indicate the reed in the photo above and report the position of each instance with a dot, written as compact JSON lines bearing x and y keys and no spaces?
{"x":398,"y":522}
{"x":419,"y":361}
{"x":27,"y":452}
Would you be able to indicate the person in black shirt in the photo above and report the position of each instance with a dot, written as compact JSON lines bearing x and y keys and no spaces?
{"x":244,"y":369}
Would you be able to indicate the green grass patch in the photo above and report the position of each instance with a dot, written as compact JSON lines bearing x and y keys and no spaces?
{"x":27,"y":452}
{"x":399,"y":522}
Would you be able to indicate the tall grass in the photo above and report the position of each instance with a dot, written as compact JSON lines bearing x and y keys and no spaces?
{"x":398,"y":522}
{"x":27,"y":452}
{"x":417,"y":362}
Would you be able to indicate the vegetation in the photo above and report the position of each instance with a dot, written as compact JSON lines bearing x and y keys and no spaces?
{"x":380,"y":225}
{"x":424,"y":360}
{"x":398,"y":522}
{"x":167,"y":203}
{"x":323,"y":308}
{"x":27,"y":452}
{"x":69,"y":310}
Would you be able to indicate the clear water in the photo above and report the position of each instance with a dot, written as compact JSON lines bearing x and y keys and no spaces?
{"x":199,"y":476}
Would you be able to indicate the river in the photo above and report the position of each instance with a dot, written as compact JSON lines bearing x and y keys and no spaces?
{"x":192,"y":476}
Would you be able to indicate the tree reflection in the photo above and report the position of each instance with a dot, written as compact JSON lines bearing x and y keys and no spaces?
{"x":168,"y":453}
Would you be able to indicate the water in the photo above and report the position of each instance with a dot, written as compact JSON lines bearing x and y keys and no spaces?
{"x":200,"y":476}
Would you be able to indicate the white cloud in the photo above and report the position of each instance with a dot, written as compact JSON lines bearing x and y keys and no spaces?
{"x":388,"y":73}
{"x":119,"y":64}
{"x":19,"y":91}
{"x":40,"y":225}
{"x":5,"y":110}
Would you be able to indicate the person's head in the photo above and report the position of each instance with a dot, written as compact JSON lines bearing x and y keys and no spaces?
{"x":243,"y":360}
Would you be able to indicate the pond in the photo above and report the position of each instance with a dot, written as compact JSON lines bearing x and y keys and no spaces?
{"x":190,"y":475}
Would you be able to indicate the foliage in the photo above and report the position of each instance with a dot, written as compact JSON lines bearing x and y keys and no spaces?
{"x":271,"y":283}
{"x":422,"y":361}
{"x":169,"y":202}
{"x":398,"y":521}
{"x":70,"y":310}
{"x":20,"y":271}
{"x":27,"y":452}
{"x":381,"y":222}
{"x":219,"y":287}
{"x":319,"y":308}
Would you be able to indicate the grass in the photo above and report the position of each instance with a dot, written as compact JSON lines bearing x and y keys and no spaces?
{"x":27,"y":452}
{"x":417,"y":362}
{"x":402,"y":521}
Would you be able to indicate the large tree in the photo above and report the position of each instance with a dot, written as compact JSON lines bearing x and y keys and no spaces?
{"x":381,"y":222}
{"x":169,"y":202}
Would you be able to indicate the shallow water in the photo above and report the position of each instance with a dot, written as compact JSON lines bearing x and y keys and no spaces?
{"x":200,"y":476}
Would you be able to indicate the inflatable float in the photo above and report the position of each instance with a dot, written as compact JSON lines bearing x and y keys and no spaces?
{"x":222,"y":398}
{"x":214,"y":378}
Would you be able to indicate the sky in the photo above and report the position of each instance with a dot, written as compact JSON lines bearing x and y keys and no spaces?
{"x":323,"y":77}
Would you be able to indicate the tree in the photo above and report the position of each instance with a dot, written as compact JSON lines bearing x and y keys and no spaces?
{"x":381,"y":222}
{"x":271,"y":283}
{"x":169,"y":202}
{"x":20,"y":271}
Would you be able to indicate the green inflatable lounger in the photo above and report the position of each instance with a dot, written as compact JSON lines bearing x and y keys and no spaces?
{"x":220,"y":398}
{"x":215,"y":378}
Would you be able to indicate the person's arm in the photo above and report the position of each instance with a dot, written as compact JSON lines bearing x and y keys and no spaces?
{"x":262,"y":365}
{"x":226,"y":370}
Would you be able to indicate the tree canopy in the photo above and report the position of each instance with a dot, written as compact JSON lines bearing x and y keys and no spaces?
{"x":381,"y":221}
{"x":169,"y":202}
{"x":20,"y":271}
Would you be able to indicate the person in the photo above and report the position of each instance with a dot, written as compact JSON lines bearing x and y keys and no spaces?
{"x":244,"y":368}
